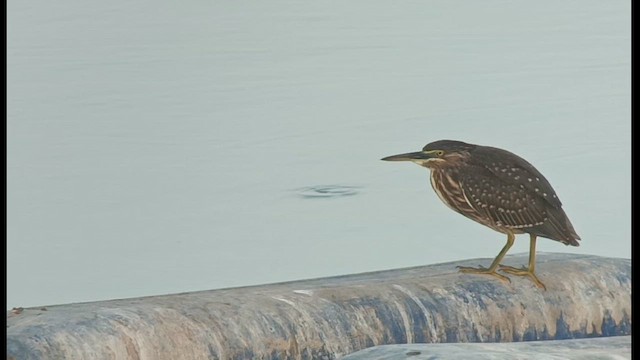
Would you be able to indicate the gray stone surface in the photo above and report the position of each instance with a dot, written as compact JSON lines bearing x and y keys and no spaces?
{"x":613,"y":348}
{"x":587,"y":296}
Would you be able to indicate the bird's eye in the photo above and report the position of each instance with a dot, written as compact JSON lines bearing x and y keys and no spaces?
{"x":439,"y":152}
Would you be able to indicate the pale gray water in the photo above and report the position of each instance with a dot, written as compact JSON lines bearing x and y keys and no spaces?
{"x":161,"y":147}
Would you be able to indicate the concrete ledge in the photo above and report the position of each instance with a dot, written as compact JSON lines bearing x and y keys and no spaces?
{"x":587,"y":296}
{"x":613,"y":348}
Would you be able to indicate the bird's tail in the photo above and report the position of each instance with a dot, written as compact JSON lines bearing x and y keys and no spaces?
{"x":559,"y":228}
{"x":561,"y":223}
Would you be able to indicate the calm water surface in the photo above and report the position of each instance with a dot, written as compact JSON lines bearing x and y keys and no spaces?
{"x":159,"y":147}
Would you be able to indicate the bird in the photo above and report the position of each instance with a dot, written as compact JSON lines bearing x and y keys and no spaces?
{"x":500,"y":190}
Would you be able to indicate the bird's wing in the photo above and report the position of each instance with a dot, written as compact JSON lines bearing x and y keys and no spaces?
{"x":515,"y":170}
{"x":506,"y":205}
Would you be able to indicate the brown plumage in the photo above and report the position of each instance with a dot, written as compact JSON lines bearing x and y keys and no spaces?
{"x":497,"y":189}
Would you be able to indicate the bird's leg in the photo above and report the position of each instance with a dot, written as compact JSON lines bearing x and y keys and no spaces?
{"x":494,"y":265}
{"x":530,"y":271}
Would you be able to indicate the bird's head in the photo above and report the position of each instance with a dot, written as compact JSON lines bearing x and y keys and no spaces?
{"x":438,"y":154}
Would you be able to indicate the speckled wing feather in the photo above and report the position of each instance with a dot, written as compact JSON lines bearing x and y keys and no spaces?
{"x":515,"y":170}
{"x":508,"y":206}
{"x":515,"y":206}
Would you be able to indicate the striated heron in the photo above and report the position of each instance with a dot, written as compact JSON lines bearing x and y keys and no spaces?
{"x":500,"y":190}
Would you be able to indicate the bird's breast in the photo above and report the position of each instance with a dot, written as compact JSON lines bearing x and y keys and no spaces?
{"x":448,"y":189}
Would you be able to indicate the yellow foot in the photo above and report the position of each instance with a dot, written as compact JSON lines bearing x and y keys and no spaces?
{"x":483,"y":271}
{"x":523,"y":272}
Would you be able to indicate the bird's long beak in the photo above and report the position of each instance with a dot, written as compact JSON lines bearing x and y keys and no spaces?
{"x":414,"y":156}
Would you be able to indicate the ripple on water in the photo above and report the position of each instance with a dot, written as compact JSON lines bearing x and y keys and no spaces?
{"x":327,"y":191}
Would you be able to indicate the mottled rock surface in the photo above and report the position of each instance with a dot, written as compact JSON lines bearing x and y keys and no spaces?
{"x":587,"y":296}
{"x":612,"y":348}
